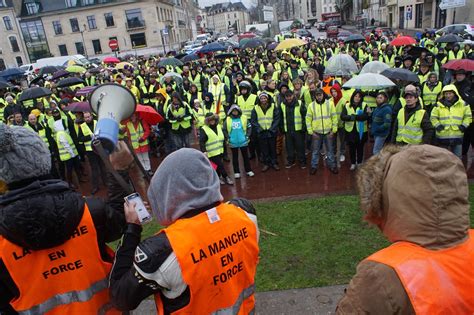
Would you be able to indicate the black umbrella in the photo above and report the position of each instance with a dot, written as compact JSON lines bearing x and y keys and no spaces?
{"x":450,"y":38}
{"x":416,"y":51}
{"x":4,"y":84}
{"x":225,"y":56}
{"x":190,"y":57}
{"x":36,"y":79}
{"x":70,"y":82}
{"x":354,"y":38}
{"x":49,"y":70}
{"x":181,"y":55}
{"x":60,"y":74}
{"x":400,"y":74}
{"x":11,"y":73}
{"x":34,"y":92}
{"x":95,"y":70}
{"x":253,"y":43}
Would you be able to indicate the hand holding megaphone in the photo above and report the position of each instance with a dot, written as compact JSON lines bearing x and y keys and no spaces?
{"x":121,"y":158}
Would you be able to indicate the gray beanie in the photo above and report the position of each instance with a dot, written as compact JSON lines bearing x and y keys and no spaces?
{"x":22,"y":154}
{"x":184,"y":181}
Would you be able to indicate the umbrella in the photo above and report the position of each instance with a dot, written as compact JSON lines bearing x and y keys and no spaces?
{"x":85,"y":91}
{"x":374,"y":67}
{"x":341,"y":64}
{"x":225,"y":56}
{"x":95,"y":70}
{"x":416,"y":51}
{"x":179,"y":56}
{"x":354,"y":38}
{"x":123,"y":65}
{"x":400,"y":74}
{"x":290,"y":43}
{"x":190,"y":57}
{"x":11,"y":73}
{"x":4,"y":84}
{"x":212,"y":47}
{"x":149,"y":114}
{"x":253,"y":43}
{"x":76,"y":69}
{"x":79,"y":107}
{"x":450,"y":38}
{"x":369,"y":81}
{"x":60,"y":74}
{"x":403,"y":41}
{"x":272,"y":46}
{"x":230,"y":43}
{"x":34,"y":92}
{"x":111,"y":60}
{"x":70,"y":82}
{"x":460,"y":64}
{"x":176,"y":77}
{"x":170,"y":62}
{"x":48,"y":70}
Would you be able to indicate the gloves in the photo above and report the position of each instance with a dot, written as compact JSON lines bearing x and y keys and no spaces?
{"x":179,"y":119}
{"x":353,"y":117}
{"x":440,"y":128}
{"x":462,"y":128}
{"x":141,"y":140}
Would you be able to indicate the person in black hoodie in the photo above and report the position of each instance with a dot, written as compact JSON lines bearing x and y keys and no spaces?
{"x":53,"y":239}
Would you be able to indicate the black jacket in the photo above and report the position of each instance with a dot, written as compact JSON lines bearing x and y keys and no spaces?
{"x":43,"y":213}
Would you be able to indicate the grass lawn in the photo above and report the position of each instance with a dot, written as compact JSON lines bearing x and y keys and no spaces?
{"x":318,"y":242}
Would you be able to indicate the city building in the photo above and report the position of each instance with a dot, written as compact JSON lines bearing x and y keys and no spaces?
{"x":12,"y":49}
{"x":286,"y":10}
{"x":68,"y":27}
{"x":223,"y":17}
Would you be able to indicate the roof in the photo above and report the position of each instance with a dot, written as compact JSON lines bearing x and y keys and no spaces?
{"x":45,"y":6}
{"x":226,"y":6}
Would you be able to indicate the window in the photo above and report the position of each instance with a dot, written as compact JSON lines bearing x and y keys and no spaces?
{"x":134,"y":18}
{"x":80,"y":48}
{"x":325,"y":9}
{"x":71,"y":3}
{"x":19,"y":61}
{"x":74,"y":25}
{"x":14,"y":44}
{"x":91,"y":22}
{"x":418,"y":15}
{"x":138,"y":40}
{"x":2,"y":3}
{"x":2,"y":65}
{"x":62,"y":50}
{"x":87,"y":2}
{"x":58,"y":30}
{"x":109,"y":19}
{"x":33,"y":33}
{"x":97,"y":47}
{"x":8,"y":23}
{"x":32,"y":8}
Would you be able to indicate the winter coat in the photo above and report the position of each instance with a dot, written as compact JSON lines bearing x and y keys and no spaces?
{"x":422,"y":203}
{"x":381,"y":120}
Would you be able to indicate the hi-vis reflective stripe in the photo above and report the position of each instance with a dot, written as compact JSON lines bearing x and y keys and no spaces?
{"x":68,"y":298}
{"x":234,"y":309}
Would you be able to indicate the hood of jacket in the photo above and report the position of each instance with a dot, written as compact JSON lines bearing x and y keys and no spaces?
{"x":422,"y":203}
{"x":41,"y":215}
{"x":234,"y":106}
{"x":452,"y":88}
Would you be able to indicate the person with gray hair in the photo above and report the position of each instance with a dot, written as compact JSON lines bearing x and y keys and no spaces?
{"x":54,"y":255}
{"x":185,"y":264}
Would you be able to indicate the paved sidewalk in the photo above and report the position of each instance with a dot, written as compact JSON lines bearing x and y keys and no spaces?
{"x":297,"y":301}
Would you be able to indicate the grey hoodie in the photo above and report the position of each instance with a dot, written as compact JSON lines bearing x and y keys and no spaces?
{"x":184,"y":181}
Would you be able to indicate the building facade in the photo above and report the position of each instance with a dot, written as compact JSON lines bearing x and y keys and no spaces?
{"x":12,"y":48}
{"x":223,"y":17}
{"x":68,"y":27}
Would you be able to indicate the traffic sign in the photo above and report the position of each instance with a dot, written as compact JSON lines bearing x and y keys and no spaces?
{"x":113,"y":44}
{"x":451,"y":4}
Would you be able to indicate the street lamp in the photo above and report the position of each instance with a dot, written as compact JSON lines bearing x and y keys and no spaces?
{"x":83,"y":42}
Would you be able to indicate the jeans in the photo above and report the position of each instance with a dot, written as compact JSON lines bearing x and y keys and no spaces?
{"x":144,"y":159}
{"x":327,"y":141}
{"x":267,"y":147}
{"x":179,"y":141}
{"x":378,"y":144}
{"x":217,"y":159}
{"x":455,"y":148}
{"x":295,"y":143}
{"x":245,"y":157}
{"x":340,"y":142}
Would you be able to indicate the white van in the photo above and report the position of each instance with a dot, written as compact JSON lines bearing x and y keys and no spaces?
{"x":204,"y":38}
{"x":61,"y":61}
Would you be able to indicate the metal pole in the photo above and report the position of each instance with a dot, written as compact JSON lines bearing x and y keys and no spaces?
{"x":163,"y":42}
{"x":83,"y":42}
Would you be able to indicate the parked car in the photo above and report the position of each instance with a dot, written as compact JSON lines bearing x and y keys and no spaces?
{"x":332,"y":32}
{"x":465,"y":30}
{"x":188,"y":45}
{"x":322,"y":26}
{"x":334,"y":23}
{"x":204,"y":38}
{"x":304,"y":33}
{"x":194,"y":47}
{"x":308,"y":26}
{"x":28,"y":68}
{"x":222,"y":39}
{"x":342,"y":35}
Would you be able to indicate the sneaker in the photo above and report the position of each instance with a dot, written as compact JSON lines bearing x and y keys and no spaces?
{"x":342,"y":158}
{"x":303,"y":166}
{"x":229,"y":181}
{"x":222,"y":181}
{"x":236,"y":175}
{"x":353,"y":167}
{"x":265,"y":168}
{"x":250,"y":174}
{"x":313,"y":170}
{"x":290,"y":165}
{"x":276,"y":167}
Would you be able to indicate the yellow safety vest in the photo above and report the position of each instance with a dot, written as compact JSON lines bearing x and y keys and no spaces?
{"x":215,"y":142}
{"x":451,"y":118}
{"x":64,"y":155}
{"x":410,"y":131}
{"x":404,"y":102}
{"x":349,"y":125}
{"x":321,"y":118}
{"x":217,"y":90}
{"x":430,"y":97}
{"x":185,"y":124}
{"x":86,"y":131}
{"x":265,"y":119}
{"x":247,"y":105}
{"x":90,"y":81}
{"x":40,"y":132}
{"x":196,"y":81}
{"x":243,"y":119}
{"x":135,"y":135}
{"x":390,"y":61}
{"x":458,"y":55}
{"x":145,"y":91}
{"x":297,"y":115}
{"x":370,"y":101}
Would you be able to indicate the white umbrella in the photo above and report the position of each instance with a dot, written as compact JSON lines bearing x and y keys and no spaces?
{"x":374,"y":67}
{"x":369,"y":81}
{"x":341,"y":64}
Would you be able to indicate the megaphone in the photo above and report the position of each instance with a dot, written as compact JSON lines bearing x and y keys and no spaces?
{"x":112,"y":103}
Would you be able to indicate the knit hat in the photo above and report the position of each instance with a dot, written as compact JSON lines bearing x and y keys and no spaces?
{"x":22,"y":154}
{"x":184,"y":181}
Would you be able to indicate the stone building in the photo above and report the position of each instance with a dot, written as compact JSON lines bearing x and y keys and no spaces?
{"x":12,"y":48}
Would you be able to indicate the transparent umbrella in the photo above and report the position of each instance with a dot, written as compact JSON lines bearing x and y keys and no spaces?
{"x":341,"y":64}
{"x":369,"y":81}
{"x":374,"y":67}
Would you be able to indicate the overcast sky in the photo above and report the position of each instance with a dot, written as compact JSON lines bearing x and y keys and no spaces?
{"x":205,"y":3}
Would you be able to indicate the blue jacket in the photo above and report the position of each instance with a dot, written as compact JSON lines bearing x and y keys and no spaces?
{"x":381,"y":120}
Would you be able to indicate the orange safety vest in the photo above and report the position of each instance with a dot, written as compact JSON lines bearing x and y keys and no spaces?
{"x":217,"y":251}
{"x":67,"y":279}
{"x":436,"y":281}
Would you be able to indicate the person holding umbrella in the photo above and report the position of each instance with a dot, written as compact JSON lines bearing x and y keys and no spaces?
{"x":138,"y":132}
